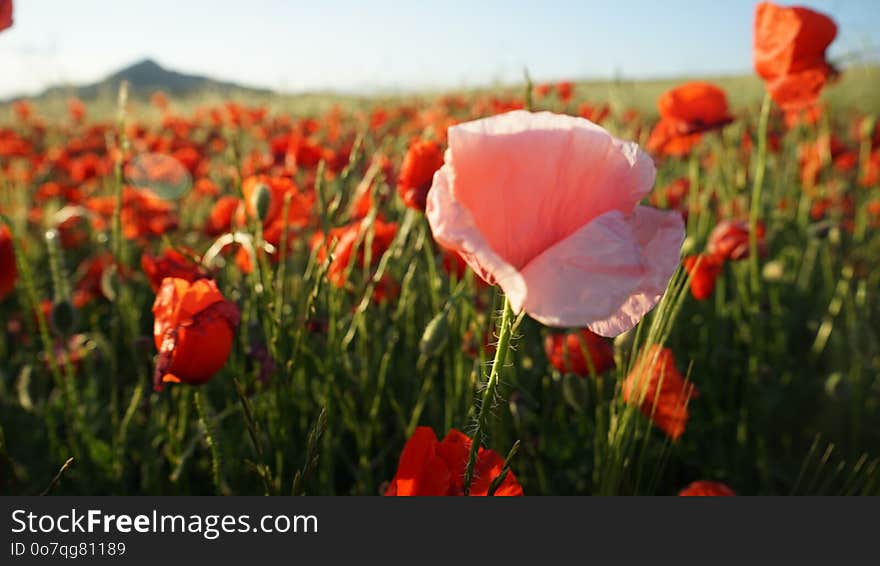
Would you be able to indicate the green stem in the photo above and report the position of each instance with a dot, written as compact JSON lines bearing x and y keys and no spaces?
{"x":757,"y":188}
{"x":504,"y":335}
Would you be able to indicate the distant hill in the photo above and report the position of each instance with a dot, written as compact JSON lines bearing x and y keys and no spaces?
{"x":146,"y":77}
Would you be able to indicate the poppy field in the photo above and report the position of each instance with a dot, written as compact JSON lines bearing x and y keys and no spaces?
{"x":542,"y":289}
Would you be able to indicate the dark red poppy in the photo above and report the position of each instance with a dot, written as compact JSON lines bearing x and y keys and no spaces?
{"x":422,"y":160}
{"x":789,"y":52}
{"x":8,"y":270}
{"x":5,"y":14}
{"x":429,"y":467}
{"x":193,"y":330}
{"x":686,"y":112}
{"x":704,"y":270}
{"x":704,"y":488}
{"x":171,"y":263}
{"x":578,"y":352}
{"x":729,"y":240}
{"x":660,"y":391}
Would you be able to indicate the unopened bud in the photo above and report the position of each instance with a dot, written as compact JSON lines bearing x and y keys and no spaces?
{"x":436,"y":335}
{"x":63,"y":318}
{"x":261,"y":200}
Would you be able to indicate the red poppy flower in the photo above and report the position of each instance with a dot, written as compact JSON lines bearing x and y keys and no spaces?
{"x":673,"y":195}
{"x":5,"y":14}
{"x":172,"y":263}
{"x":220,"y":218}
{"x":685,"y":112}
{"x":160,"y":100}
{"x":660,"y":390}
{"x":595,"y":114}
{"x":542,"y":90}
{"x":706,"y":489}
{"x":871,"y":173}
{"x":422,"y":160}
{"x":347,"y":237}
{"x":789,"y":52}
{"x":809,"y":116}
{"x":8,"y":270}
{"x":193,"y":331}
{"x":144,"y":214}
{"x":704,"y":270}
{"x":22,"y":108}
{"x":76,"y":109}
{"x":429,"y":467}
{"x":575,"y":352}
{"x":564,"y":90}
{"x":91,"y":281}
{"x":298,"y":212}
{"x":813,"y":156}
{"x":729,"y":240}
{"x":873,"y":208}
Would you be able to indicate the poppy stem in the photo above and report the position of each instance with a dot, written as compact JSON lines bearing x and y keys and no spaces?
{"x":755,"y":208}
{"x":505,"y":333}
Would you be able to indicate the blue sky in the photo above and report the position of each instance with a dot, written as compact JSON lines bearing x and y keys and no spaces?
{"x":367,"y":45}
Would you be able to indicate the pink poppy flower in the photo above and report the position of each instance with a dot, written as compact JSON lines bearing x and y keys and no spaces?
{"x":545,"y":205}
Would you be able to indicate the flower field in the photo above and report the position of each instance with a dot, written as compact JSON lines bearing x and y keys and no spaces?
{"x":540,"y":289}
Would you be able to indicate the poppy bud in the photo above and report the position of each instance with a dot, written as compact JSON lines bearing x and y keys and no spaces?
{"x":193,"y":331}
{"x":261,"y":200}
{"x":63,"y":318}
{"x":436,"y":335}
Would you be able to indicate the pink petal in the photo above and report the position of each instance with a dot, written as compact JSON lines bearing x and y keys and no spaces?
{"x":530,"y":180}
{"x":453,"y":227}
{"x":607,"y":275}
